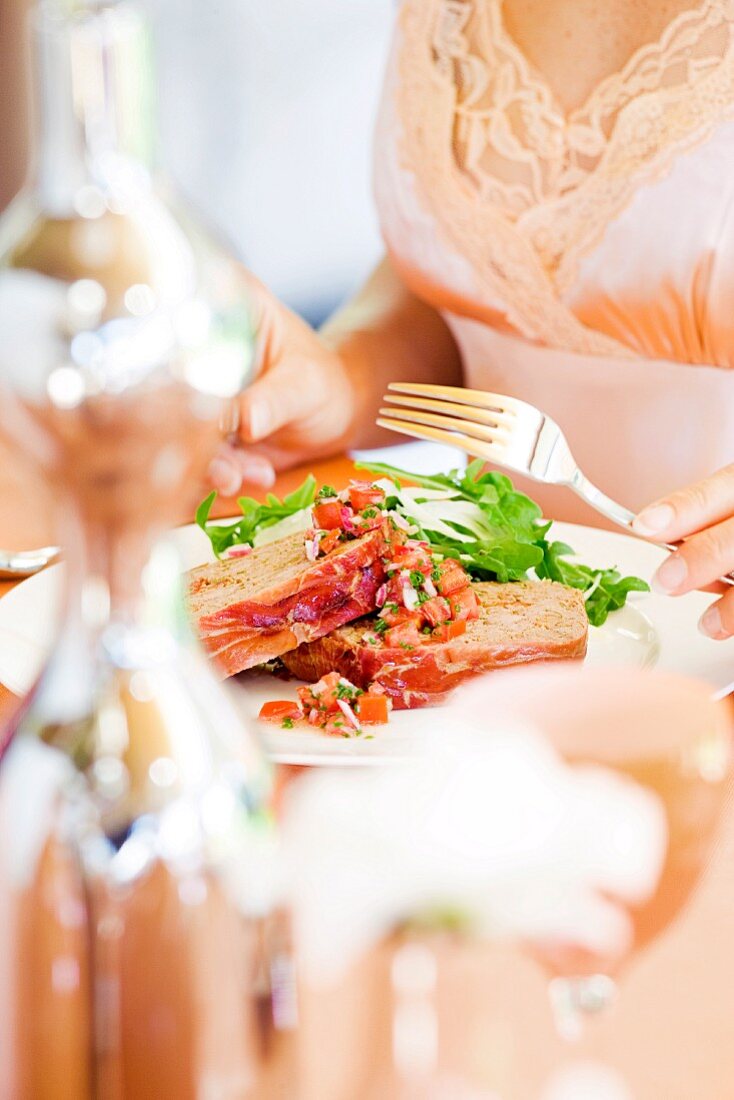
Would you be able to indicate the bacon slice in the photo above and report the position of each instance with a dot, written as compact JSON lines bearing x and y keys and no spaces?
{"x":250,"y":610}
{"x":518,"y":623}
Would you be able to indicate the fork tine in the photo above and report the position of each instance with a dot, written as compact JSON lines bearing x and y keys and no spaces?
{"x":480,"y":398}
{"x":466,"y":412}
{"x":469,"y":428}
{"x":489,"y":451}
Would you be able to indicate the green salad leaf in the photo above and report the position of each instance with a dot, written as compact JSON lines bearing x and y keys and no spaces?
{"x":605,"y":590}
{"x":474,"y":515}
{"x":501,"y":535}
{"x":258,"y":522}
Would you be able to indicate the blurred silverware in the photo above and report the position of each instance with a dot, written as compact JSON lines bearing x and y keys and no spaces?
{"x":16,"y":564}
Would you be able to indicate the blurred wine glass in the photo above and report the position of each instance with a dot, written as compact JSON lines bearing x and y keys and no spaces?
{"x":670,"y":738}
{"x":486,"y":838}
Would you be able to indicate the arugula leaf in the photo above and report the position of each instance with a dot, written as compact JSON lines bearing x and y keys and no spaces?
{"x":499,"y":534}
{"x":473,"y":515}
{"x":256,"y":517}
{"x":606,"y":589}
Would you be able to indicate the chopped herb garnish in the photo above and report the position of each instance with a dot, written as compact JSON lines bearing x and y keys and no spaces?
{"x":476,"y":517}
{"x":348,"y":691}
{"x":369,"y":513}
{"x":406,"y":645}
{"x":416,"y":578}
{"x":325,"y":492}
{"x":287,"y":724}
{"x":436,"y":574}
{"x":381,"y":626}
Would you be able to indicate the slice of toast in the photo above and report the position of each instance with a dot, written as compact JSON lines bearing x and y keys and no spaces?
{"x":251,"y":609}
{"x":518,"y":623}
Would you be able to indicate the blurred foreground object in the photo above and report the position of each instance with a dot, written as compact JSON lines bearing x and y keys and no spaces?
{"x":667,"y":735}
{"x":406,"y":879}
{"x":136,"y":870}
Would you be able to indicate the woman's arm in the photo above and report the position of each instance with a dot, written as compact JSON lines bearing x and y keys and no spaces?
{"x":386,"y":334}
{"x":317,"y":394}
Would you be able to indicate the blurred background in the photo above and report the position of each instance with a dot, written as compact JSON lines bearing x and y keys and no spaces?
{"x":265,"y":117}
{"x":266,"y":110}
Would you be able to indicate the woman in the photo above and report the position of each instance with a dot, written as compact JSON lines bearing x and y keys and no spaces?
{"x":554,"y":186}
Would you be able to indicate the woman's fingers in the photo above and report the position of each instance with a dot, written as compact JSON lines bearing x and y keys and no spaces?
{"x":293,"y":389}
{"x":234,"y":466}
{"x":718,"y":620}
{"x":699,"y":561}
{"x":689,"y":510}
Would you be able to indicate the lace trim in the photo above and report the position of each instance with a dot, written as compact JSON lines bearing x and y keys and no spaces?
{"x":524,"y":190}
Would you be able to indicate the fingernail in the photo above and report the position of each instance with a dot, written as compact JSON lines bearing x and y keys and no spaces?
{"x":229,"y":420}
{"x":711,"y":623}
{"x":670,"y":576}
{"x":225,"y":477}
{"x":261,"y":475}
{"x":259,"y":420}
{"x":654,"y":520}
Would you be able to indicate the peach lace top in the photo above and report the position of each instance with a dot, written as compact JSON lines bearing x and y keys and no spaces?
{"x":584,"y":261}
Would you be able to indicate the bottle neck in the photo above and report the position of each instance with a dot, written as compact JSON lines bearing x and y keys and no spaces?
{"x":93,"y":105}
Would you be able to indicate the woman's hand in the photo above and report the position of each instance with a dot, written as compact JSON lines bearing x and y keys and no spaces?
{"x":300,"y":406}
{"x":703,"y":515}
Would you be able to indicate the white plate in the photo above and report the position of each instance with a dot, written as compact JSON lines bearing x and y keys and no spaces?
{"x":652,"y":631}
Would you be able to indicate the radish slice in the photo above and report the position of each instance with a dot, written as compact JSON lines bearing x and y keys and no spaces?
{"x":401,"y":522}
{"x":429,"y":588}
{"x":410,"y":597}
{"x":349,"y":714}
{"x":347,"y":521}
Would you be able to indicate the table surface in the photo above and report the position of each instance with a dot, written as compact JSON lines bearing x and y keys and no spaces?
{"x":671,"y":1035}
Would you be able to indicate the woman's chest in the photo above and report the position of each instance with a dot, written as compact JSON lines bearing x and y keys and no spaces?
{"x":481,"y":172}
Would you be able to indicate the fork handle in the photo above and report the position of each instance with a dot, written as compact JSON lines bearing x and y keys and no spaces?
{"x":617,"y":513}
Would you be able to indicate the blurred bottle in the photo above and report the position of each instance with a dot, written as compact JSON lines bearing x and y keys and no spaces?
{"x":137,"y":864}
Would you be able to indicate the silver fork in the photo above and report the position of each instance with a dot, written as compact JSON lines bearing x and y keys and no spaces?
{"x":504,"y":431}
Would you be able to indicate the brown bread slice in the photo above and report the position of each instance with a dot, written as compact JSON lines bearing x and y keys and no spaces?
{"x":518,"y":623}
{"x":252,"y":609}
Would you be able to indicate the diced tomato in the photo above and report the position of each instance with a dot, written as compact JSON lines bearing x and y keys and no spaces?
{"x":404,"y":634}
{"x":364,"y":495}
{"x":452,"y":577}
{"x":369,"y":523}
{"x":395,"y":590}
{"x":336,"y":725}
{"x":413,"y":558}
{"x":446,"y":631}
{"x":307,"y":699}
{"x":464,"y":604}
{"x":401,"y":616}
{"x":328,"y":514}
{"x":325,"y":691}
{"x":328,"y":542}
{"x":396,"y":537}
{"x":372,"y":710}
{"x":436,"y":611}
{"x":278,"y":709}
